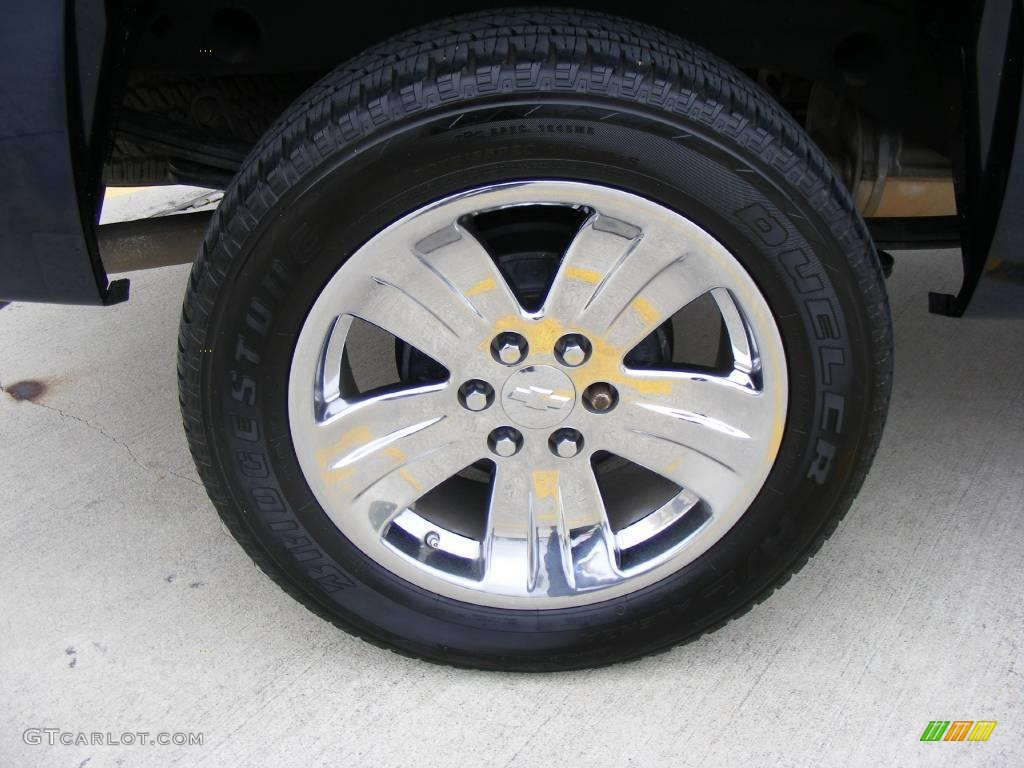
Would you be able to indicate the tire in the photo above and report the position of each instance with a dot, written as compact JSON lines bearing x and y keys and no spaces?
{"x":477,"y":102}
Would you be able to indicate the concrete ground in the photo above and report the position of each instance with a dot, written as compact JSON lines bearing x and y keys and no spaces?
{"x":125,"y":606}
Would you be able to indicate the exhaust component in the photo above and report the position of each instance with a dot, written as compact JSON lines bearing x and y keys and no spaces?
{"x":159,"y":241}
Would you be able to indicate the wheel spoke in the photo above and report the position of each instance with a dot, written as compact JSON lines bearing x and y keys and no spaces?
{"x":509,"y":546}
{"x":442,"y":294}
{"x":711,"y":479}
{"x":404,"y":309}
{"x":347,"y":427}
{"x":395,"y":438}
{"x":620,"y":282}
{"x":704,"y":432}
{"x":591,"y":263}
{"x":744,"y":351}
{"x":591,"y":542}
{"x":463,"y":266}
{"x":559,"y":544}
{"x":399,"y":482}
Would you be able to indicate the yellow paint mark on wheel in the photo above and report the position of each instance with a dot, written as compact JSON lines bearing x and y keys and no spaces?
{"x":394,"y":453}
{"x":583,"y":275}
{"x":356,"y":436}
{"x":544,"y":491}
{"x":406,"y":475}
{"x":485,"y":285}
{"x":646,"y":310}
{"x":545,"y":483}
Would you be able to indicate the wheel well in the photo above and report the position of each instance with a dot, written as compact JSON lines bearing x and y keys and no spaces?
{"x":201,"y":82}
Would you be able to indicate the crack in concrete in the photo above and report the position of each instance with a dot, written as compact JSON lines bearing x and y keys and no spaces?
{"x":97,"y":428}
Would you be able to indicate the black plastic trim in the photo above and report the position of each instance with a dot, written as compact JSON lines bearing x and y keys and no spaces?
{"x":989,"y":205}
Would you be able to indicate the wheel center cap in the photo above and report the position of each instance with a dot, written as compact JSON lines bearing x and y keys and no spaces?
{"x":538,"y":396}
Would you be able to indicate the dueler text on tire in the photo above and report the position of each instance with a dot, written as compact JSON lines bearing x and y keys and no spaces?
{"x":534,"y":340}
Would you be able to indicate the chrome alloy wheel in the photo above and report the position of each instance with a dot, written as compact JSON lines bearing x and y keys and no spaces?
{"x":540,"y":398}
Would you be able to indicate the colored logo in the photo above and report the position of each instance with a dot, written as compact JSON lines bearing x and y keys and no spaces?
{"x":958,"y":730}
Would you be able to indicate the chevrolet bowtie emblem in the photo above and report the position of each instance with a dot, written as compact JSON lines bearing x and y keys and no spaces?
{"x":541,"y":398}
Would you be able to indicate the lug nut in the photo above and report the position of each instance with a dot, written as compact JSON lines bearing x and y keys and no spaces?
{"x":566,"y":443}
{"x":476,"y":395}
{"x":600,"y":397}
{"x":505,"y":441}
{"x":509,"y":348}
{"x":572,"y":350}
